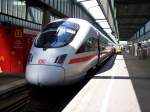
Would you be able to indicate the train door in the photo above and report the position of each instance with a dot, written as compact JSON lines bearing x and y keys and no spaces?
{"x":99,"y":48}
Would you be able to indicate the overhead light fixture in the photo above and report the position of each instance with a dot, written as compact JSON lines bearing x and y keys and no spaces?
{"x":83,"y":0}
{"x":95,"y":11}
{"x":107,"y":30}
{"x":20,"y":3}
{"x":101,"y":20}
{"x":104,"y":24}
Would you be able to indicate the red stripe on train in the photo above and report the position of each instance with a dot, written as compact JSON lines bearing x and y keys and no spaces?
{"x":82,"y":59}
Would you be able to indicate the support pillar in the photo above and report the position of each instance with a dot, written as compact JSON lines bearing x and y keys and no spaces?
{"x":46,"y":17}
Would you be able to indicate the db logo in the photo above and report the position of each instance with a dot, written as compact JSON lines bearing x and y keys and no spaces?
{"x":18,"y":33}
{"x":41,"y":61}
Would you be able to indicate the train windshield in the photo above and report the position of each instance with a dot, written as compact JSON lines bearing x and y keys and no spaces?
{"x":56,"y":34}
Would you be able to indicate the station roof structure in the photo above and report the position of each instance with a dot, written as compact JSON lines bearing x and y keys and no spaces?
{"x":94,"y":9}
{"x":131,"y":15}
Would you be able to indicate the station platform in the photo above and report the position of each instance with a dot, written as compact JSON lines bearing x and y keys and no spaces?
{"x":122,"y":85}
{"x":8,"y":82}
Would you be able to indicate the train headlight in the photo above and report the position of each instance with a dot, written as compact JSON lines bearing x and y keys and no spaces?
{"x":60,"y":59}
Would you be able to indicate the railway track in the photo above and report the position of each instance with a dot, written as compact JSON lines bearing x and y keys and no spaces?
{"x":15,"y":98}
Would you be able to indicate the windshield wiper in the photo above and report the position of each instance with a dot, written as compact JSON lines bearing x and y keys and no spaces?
{"x":45,"y":47}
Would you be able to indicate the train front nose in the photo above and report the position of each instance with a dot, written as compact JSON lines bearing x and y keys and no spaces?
{"x":45,"y":75}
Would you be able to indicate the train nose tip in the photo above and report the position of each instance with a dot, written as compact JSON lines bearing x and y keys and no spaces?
{"x":44,"y":75}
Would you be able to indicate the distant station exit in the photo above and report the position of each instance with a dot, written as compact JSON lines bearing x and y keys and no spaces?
{"x":15,"y":43}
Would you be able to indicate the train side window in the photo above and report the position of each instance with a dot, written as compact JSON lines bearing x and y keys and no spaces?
{"x":94,"y":44}
{"x":91,"y":44}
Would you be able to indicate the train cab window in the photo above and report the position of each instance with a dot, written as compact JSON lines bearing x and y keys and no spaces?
{"x":52,"y":25}
{"x":91,"y":44}
{"x":57,"y":35}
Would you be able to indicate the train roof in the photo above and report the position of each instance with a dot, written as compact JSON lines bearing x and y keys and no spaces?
{"x":81,"y":22}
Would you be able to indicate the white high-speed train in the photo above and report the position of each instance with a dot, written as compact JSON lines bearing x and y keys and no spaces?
{"x":64,"y":51}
